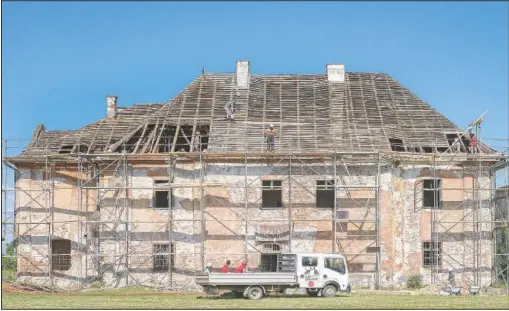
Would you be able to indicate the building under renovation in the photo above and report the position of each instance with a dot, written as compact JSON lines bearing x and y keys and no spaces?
{"x":150,"y":193}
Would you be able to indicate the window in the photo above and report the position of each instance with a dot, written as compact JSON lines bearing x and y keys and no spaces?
{"x":162,"y":197}
{"x":309,"y":261}
{"x":431,"y":254}
{"x":335,"y":264}
{"x":268,"y":263}
{"x":66,"y":149}
{"x":396,"y":144}
{"x":162,"y":256}
{"x":271,"y":247}
{"x":325,"y":193}
{"x":61,"y":255}
{"x":271,"y":194}
{"x":431,"y":193}
{"x":342,"y":214}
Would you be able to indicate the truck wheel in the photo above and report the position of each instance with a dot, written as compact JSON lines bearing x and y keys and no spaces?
{"x":255,"y":293}
{"x":329,"y":291}
{"x":312,"y":293}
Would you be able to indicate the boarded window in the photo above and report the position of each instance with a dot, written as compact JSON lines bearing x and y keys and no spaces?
{"x":161,"y":256}
{"x":272,"y":194}
{"x":325,"y":193}
{"x":268,"y":263}
{"x":396,"y":144}
{"x":61,"y":255}
{"x":431,"y":193}
{"x":431,"y":254}
{"x":162,"y":196}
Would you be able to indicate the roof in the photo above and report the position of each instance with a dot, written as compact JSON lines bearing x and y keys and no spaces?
{"x":365,"y":113}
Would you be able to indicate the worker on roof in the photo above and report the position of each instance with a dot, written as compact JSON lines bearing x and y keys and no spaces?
{"x":473,"y":143}
{"x":230,"y":110}
{"x":197,"y":141}
{"x":270,"y":133}
{"x":457,"y":145}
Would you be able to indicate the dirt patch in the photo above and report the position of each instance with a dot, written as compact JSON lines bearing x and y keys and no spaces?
{"x":23,"y":288}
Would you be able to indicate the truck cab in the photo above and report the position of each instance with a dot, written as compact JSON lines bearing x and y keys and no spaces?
{"x":317,"y":272}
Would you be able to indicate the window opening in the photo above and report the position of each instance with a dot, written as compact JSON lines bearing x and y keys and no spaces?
{"x":61,"y":254}
{"x":163,"y":196}
{"x":335,"y":264}
{"x":161,"y":257}
{"x":396,"y":144}
{"x":66,"y":149}
{"x":325,"y":190}
{"x":272,"y":194}
{"x":431,"y":254}
{"x":428,"y":149}
{"x":431,"y":193}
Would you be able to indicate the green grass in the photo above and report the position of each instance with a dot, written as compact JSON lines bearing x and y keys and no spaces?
{"x":149,"y":299}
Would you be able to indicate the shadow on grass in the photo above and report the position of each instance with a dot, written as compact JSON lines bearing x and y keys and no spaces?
{"x":232,"y":295}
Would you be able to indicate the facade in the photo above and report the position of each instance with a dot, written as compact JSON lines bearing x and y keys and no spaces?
{"x":151,"y":193}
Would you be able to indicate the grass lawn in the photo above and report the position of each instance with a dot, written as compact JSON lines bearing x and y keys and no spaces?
{"x":148,"y":299}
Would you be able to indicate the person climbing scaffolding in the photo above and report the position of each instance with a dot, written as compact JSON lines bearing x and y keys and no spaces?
{"x":270,"y":133}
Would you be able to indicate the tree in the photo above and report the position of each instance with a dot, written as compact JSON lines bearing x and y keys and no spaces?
{"x":502,"y":253}
{"x":9,"y":259}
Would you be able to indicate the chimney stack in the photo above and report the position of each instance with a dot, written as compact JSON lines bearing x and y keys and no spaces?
{"x":111,"y":106}
{"x":242,"y":73}
{"x":336,"y":72}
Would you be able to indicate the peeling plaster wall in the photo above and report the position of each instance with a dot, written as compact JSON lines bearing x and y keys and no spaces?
{"x":404,"y":224}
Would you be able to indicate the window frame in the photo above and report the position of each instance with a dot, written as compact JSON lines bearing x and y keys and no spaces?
{"x":325,"y":186}
{"x":338,"y":270}
{"x":431,"y":253}
{"x":268,"y":258}
{"x":165,"y":255}
{"x":437,"y":200}
{"x":270,"y":248}
{"x":309,"y":258}
{"x":162,"y":185}
{"x":272,"y":188}
{"x":57,"y":256}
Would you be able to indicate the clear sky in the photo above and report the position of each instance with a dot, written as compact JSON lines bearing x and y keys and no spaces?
{"x":60,"y":59}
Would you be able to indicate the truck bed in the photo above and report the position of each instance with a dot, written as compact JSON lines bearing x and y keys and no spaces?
{"x":249,"y":278}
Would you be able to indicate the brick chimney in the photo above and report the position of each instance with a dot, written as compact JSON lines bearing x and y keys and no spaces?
{"x":336,"y":72}
{"x":111,"y":106}
{"x":242,"y":73}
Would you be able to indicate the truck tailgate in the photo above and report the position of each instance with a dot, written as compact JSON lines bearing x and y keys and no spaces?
{"x":262,"y":278}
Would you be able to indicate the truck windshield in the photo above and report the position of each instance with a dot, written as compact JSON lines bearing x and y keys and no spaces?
{"x":335,"y":264}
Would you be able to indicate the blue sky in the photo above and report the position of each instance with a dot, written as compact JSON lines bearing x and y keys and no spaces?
{"x":60,"y":59}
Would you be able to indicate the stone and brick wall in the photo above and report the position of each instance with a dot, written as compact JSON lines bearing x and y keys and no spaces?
{"x":99,"y":250}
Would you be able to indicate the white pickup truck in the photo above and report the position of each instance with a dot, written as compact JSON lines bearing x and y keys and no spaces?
{"x":320,"y":274}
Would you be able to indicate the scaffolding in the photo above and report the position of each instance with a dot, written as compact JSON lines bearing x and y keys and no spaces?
{"x":105,"y":208}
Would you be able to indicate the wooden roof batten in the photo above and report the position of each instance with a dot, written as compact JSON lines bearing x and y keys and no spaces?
{"x":312,"y":113}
